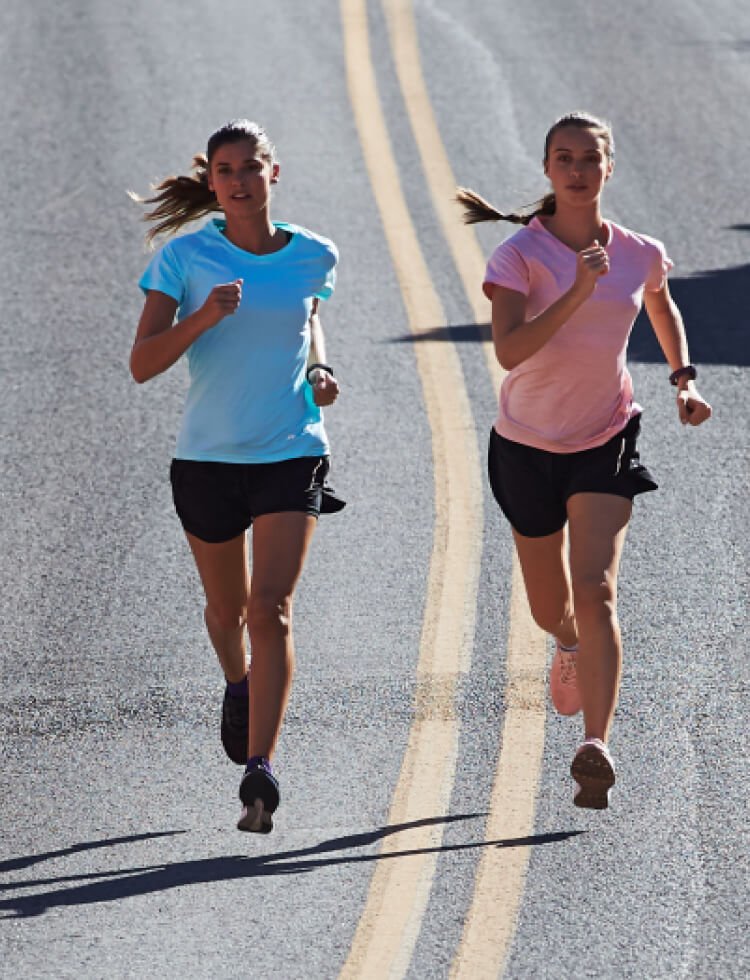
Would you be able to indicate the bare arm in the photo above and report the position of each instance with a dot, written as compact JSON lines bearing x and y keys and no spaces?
{"x":666,"y":320}
{"x":325,"y":386}
{"x":516,"y":338}
{"x":160,"y":342}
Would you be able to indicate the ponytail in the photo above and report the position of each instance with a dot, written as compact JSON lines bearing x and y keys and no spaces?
{"x":179,"y":200}
{"x":477,"y":209}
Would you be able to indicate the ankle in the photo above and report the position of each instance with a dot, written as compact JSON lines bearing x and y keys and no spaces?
{"x":259,"y":761}
{"x":238,"y":689}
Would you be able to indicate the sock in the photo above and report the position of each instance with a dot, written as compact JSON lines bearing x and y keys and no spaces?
{"x":573,"y":649}
{"x":238,"y":689}
{"x":258,"y":760}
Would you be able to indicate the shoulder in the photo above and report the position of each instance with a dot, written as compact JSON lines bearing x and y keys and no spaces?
{"x":182,"y":248}
{"x":635,"y":240}
{"x":522,"y":241}
{"x":312,"y":242}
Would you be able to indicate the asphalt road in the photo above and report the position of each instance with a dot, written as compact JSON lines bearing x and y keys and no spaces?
{"x":118,"y":855}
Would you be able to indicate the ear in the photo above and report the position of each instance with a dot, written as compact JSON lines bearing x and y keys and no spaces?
{"x":275,"y":174}
{"x":545,"y":167}
{"x":610,"y":169}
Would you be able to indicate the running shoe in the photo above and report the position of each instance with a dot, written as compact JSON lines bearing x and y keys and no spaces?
{"x":259,"y":792}
{"x":594,"y":772}
{"x":234,"y":727}
{"x":563,"y":682}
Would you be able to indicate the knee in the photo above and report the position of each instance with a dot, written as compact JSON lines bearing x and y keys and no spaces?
{"x":595,"y":598}
{"x":267,"y":611}
{"x":226,"y":615}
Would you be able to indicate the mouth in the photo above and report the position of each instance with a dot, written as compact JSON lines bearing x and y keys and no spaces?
{"x":240,"y":197}
{"x":577,"y":187}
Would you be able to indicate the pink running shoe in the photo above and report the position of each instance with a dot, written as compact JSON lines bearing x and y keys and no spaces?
{"x":563,"y":682}
{"x":594,"y":772}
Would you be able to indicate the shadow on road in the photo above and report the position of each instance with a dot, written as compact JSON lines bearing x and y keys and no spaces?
{"x":17,"y":864}
{"x":714,"y":306}
{"x":109,"y":886}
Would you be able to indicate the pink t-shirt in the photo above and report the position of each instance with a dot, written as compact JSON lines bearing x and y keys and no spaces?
{"x":576,"y":391}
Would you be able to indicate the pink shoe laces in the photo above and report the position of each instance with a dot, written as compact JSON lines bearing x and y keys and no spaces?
{"x":568,"y":673}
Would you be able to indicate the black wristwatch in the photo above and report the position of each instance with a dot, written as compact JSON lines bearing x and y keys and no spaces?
{"x":323,"y":367}
{"x":688,"y":371}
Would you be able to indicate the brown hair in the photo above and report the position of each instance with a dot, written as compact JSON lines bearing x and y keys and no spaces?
{"x":180,"y":199}
{"x":477,"y":209}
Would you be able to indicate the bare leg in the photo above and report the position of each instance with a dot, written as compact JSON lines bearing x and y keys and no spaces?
{"x":597,"y":526}
{"x":546,"y":575}
{"x":280,"y":543}
{"x":226,"y":583}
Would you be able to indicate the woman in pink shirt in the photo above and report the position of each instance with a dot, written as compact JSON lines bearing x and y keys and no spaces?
{"x":564,"y":468}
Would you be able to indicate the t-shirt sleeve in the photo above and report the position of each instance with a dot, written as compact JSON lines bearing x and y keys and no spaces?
{"x":330,"y":259}
{"x":660,"y":266}
{"x":165,"y":274}
{"x":507,"y":268}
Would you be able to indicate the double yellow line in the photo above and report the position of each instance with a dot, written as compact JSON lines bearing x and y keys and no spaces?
{"x":399,"y":891}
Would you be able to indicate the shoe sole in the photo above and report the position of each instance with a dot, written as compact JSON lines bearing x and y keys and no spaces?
{"x":565,"y":714}
{"x":260,"y":795}
{"x":595,"y":776}
{"x":255,"y":819}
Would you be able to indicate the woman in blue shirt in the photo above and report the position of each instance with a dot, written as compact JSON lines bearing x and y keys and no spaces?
{"x":240,"y":297}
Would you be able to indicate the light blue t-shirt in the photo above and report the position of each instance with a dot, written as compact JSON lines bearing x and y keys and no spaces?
{"x":248,"y":400}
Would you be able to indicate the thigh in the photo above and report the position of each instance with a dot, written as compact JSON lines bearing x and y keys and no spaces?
{"x":209,"y":499}
{"x":287,"y":485}
{"x":223,"y":570}
{"x":280,"y":543}
{"x":597,"y":524}
{"x":527,"y":486}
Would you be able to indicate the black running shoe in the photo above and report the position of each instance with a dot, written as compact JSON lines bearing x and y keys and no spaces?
{"x":259,"y":792}
{"x":234,"y":728}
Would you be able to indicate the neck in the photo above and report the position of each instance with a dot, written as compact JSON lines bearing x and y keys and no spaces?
{"x":577,"y":227}
{"x":256,"y":234}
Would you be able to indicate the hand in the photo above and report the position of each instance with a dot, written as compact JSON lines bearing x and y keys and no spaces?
{"x":592,"y":262}
{"x":325,"y":387}
{"x":222,"y":301}
{"x":691,"y":407}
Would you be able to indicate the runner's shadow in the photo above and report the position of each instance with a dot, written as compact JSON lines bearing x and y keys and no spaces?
{"x":17,"y":864}
{"x":714,"y":308}
{"x":109,"y":886}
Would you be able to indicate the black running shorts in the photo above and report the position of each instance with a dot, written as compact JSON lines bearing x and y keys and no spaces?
{"x":218,"y":501}
{"x":532,"y":486}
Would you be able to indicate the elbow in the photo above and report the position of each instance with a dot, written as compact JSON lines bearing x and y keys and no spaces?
{"x":505,"y":359}
{"x":137,"y":371}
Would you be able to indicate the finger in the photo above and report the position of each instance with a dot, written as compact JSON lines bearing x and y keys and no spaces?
{"x":682,"y":409}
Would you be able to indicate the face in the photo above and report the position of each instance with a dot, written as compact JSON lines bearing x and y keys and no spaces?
{"x":578,"y":165}
{"x":241,"y":178}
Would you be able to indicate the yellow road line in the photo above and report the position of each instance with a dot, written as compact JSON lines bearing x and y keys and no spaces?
{"x":399,"y":890}
{"x":493,"y":915}
{"x":467,"y":253}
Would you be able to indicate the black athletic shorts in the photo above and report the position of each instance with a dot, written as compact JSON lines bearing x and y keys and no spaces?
{"x":532,"y":486}
{"x":218,"y":501}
